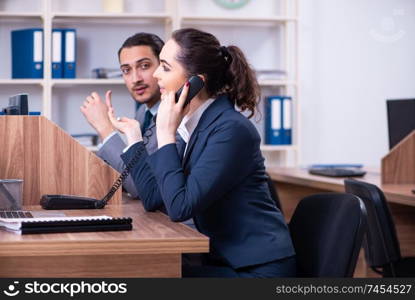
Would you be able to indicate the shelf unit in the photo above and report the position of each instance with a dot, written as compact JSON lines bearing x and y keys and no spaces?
{"x":167,"y":16}
{"x":4,"y":14}
{"x":231,"y":19}
{"x":21,"y":81}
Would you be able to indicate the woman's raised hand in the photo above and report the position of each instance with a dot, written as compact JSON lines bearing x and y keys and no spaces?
{"x":169,"y":116}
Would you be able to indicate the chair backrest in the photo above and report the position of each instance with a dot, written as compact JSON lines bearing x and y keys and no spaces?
{"x":381,"y":243}
{"x":273,"y":192}
{"x":327,"y":231}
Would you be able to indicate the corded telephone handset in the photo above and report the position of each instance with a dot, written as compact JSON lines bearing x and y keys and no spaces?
{"x":79,"y":202}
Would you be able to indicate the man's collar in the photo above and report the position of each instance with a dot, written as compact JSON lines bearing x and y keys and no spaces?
{"x":154,"y":108}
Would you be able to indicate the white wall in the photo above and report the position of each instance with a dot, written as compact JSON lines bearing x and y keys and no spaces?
{"x":354,"y":54}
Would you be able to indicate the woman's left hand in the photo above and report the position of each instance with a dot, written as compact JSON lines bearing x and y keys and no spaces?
{"x":169,"y":116}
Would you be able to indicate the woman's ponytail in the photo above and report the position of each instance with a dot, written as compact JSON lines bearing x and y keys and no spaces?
{"x":242,"y":85}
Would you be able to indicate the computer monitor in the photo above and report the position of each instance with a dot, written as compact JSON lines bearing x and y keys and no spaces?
{"x":20,"y":101}
{"x":401,"y":119}
{"x":18,"y":105}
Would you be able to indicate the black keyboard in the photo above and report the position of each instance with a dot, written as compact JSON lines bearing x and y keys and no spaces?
{"x":15,"y":214}
{"x":77,"y":225}
{"x":337,"y":172}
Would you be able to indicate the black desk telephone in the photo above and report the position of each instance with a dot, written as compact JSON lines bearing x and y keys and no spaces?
{"x":78,"y":202}
{"x":69,"y":202}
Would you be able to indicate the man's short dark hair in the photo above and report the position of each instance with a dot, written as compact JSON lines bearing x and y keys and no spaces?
{"x":144,"y":39}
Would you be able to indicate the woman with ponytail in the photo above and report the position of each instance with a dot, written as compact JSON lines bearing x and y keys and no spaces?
{"x":208,"y":165}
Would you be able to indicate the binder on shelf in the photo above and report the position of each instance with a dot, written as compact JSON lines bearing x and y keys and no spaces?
{"x":27,"y":53}
{"x":278,"y":120}
{"x":273,"y":112}
{"x":287,"y":121}
{"x":57,"y":53}
{"x":69,"y":53}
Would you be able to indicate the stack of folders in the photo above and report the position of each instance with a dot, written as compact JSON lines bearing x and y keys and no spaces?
{"x":65,"y":224}
{"x":278,"y":120}
{"x":27,"y":53}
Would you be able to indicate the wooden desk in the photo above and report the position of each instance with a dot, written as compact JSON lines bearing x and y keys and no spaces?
{"x":397,"y":193}
{"x":293,"y":184}
{"x":152,"y":249}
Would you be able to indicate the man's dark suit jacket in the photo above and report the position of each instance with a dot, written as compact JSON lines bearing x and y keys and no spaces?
{"x":221,"y":183}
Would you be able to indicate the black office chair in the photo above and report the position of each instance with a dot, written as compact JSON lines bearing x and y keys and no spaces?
{"x":327,"y":231}
{"x":273,"y":192}
{"x":381,"y":244}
